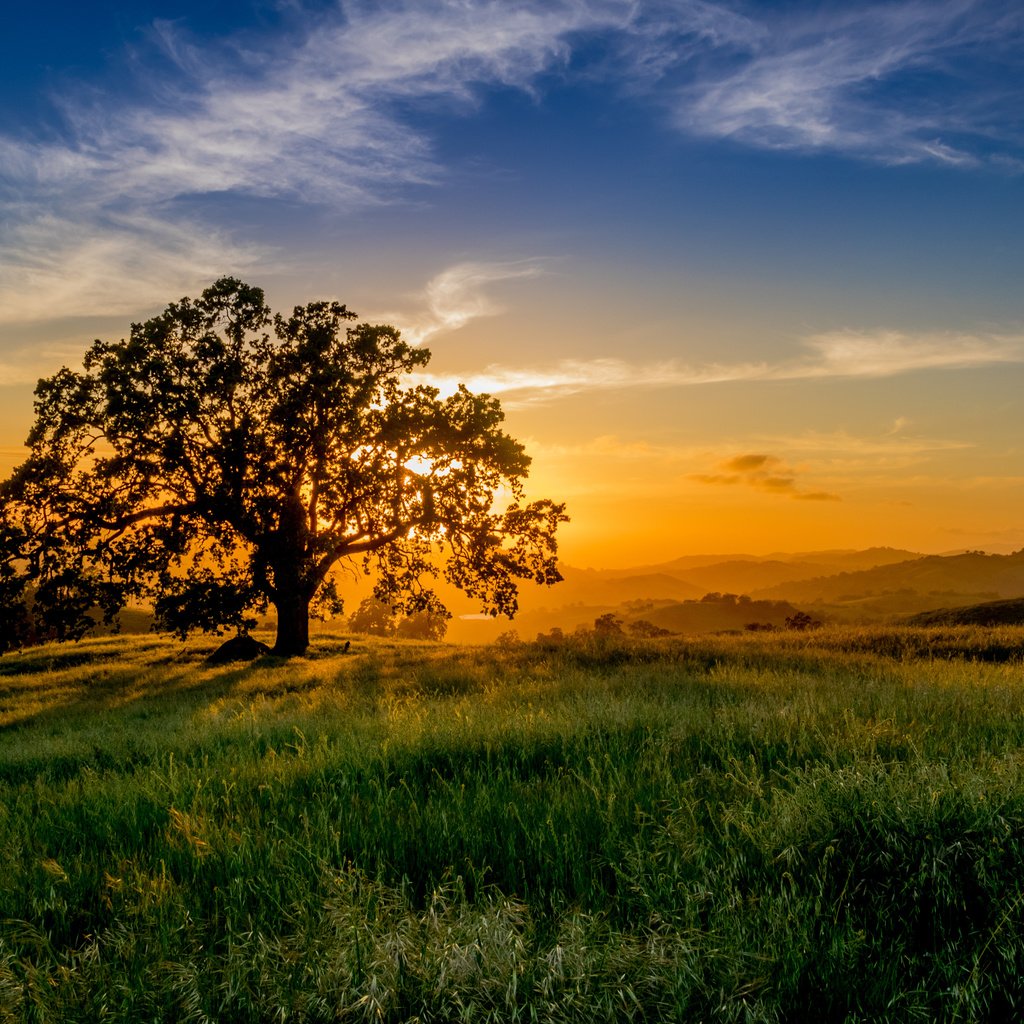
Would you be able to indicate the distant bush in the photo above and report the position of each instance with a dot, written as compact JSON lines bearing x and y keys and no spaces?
{"x":647,"y":630}
{"x":802,"y":621}
{"x":608,"y":625}
{"x":508,"y":641}
{"x":376,"y":618}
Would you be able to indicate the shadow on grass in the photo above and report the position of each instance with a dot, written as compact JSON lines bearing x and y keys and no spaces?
{"x":60,"y":684}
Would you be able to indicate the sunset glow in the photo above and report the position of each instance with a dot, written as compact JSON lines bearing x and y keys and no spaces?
{"x":745,"y":277}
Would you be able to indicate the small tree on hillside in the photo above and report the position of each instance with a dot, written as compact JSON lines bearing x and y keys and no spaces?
{"x":608,"y":625}
{"x":222,"y":460}
{"x":801,"y":621}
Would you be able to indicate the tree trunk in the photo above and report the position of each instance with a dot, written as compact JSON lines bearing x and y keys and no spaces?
{"x":292,"y":625}
{"x":292,"y":593}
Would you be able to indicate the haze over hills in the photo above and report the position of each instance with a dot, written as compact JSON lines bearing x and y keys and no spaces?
{"x":846,"y":585}
{"x":593,"y":586}
{"x":841,"y":558}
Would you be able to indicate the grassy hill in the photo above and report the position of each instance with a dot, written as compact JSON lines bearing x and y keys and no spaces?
{"x":821,"y":826}
{"x":990,"y":613}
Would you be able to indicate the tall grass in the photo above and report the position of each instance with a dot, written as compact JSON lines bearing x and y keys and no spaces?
{"x":821,"y":827}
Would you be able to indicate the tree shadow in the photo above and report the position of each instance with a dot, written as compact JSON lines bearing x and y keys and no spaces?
{"x":58,"y":687}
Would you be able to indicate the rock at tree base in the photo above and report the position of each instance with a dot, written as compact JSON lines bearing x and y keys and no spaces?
{"x":238,"y":648}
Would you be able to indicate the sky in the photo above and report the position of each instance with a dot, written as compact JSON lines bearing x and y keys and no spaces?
{"x":746,"y":277}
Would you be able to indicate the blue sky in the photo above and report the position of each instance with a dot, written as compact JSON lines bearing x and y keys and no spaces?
{"x":678,"y":232}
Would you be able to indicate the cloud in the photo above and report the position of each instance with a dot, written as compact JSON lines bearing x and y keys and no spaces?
{"x":749,"y":463}
{"x":55,"y":266}
{"x":817,"y":496}
{"x":527,"y":385}
{"x":893,"y":82}
{"x":460,"y":294}
{"x":324,"y":114}
{"x":888,"y":449}
{"x":313,"y":117}
{"x":838,"y":354}
{"x":762,"y":472}
{"x":715,"y":479}
{"x":887,"y":353}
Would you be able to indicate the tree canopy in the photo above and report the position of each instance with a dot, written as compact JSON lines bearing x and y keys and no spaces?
{"x":223,"y":459}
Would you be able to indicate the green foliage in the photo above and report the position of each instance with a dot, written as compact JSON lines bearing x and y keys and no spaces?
{"x":823,"y":826}
{"x":222,"y":459}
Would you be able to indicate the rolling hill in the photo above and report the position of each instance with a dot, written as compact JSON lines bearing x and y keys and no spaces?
{"x":990,"y":613}
{"x":971,"y":573}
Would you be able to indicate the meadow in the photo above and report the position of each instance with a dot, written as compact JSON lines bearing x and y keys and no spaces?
{"x":822,"y":826}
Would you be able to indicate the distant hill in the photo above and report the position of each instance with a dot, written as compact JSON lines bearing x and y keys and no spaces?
{"x":713,"y":616}
{"x":823,"y":562}
{"x":970,"y":573}
{"x":843,"y":560}
{"x":596,"y":586}
{"x":990,"y":613}
{"x":744,"y":577}
{"x":693,"y":576}
{"x":833,"y":584}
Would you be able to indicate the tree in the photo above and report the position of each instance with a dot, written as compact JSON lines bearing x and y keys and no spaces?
{"x":373,"y":617}
{"x":801,"y":621}
{"x":223,"y":459}
{"x":423,"y":625}
{"x":647,"y":630}
{"x":608,"y":625}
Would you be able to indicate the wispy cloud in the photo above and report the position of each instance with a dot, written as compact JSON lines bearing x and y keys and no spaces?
{"x":55,"y":265}
{"x":894,"y":82}
{"x":837,"y":448}
{"x":848,"y":449}
{"x":314,"y":121}
{"x":839,"y":354}
{"x":762,"y":472}
{"x":321,"y":115}
{"x":459,"y":295}
{"x":885,"y":353}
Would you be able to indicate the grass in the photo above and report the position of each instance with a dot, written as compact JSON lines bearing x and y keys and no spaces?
{"x":775,"y":827}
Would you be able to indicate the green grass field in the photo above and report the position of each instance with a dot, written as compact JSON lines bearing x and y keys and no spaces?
{"x":773,"y":827}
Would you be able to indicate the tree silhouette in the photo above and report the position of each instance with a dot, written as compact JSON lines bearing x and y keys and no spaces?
{"x":608,"y":625}
{"x":223,"y":459}
{"x":422,"y":626}
{"x":373,"y":617}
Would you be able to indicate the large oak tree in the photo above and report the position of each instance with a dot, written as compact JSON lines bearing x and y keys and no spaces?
{"x":222,"y":460}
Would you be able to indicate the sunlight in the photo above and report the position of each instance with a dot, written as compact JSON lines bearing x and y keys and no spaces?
{"x":420,"y":465}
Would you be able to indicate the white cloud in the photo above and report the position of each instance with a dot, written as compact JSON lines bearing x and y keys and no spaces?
{"x":460,"y":294}
{"x":322,"y":117}
{"x":887,"y":353}
{"x":313,"y":122}
{"x":838,"y":354}
{"x":834,"y":79}
{"x":55,"y":266}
